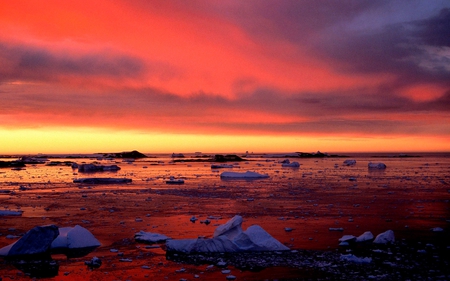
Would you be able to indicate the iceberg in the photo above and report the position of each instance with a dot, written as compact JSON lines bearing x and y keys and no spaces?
{"x":385,"y":237}
{"x":366,"y":236}
{"x":74,"y":239}
{"x":229,"y":238}
{"x":379,"y":166}
{"x":246,"y":175}
{"x":35,"y":242}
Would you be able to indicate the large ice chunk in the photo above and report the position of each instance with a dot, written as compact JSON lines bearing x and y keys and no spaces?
{"x":385,"y":237}
{"x":74,"y":238}
{"x":36,"y":241}
{"x":229,"y":238}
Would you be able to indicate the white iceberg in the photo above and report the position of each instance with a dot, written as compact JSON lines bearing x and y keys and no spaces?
{"x":229,"y":238}
{"x":385,"y":237}
{"x":347,"y":238}
{"x":149,"y":237}
{"x":72,"y":238}
{"x":379,"y":166}
{"x":366,"y":236}
{"x":246,"y":175}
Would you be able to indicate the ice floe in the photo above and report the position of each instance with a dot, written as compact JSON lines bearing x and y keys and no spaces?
{"x":172,"y":180}
{"x":10,"y":213}
{"x":366,"y":236}
{"x":289,"y":164}
{"x":149,"y":237}
{"x":74,"y":238}
{"x":36,"y":241}
{"x":355,"y":259}
{"x":349,"y":162}
{"x":245,"y":175}
{"x":378,"y":165}
{"x":221,"y":166}
{"x":385,"y":237}
{"x":91,"y":168}
{"x":227,"y":238}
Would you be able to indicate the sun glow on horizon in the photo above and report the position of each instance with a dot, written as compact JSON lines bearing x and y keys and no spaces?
{"x":89,"y":140}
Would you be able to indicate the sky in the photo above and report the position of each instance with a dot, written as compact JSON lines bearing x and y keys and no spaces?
{"x":224,"y":76}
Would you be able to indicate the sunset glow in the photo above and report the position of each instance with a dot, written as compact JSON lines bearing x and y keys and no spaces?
{"x":224,"y":76}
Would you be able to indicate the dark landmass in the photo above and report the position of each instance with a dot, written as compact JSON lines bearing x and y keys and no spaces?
{"x":13,"y":164}
{"x":216,"y":158}
{"x":318,"y":154}
{"x":128,"y":154}
{"x":59,"y":163}
{"x":396,"y":156}
{"x":102,"y":180}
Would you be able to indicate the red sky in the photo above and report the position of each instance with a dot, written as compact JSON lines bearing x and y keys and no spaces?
{"x":224,"y":76}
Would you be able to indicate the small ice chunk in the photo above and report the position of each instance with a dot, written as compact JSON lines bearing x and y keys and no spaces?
{"x":437,"y":229}
{"x":291,"y":165}
{"x":149,"y":237}
{"x":349,"y":162}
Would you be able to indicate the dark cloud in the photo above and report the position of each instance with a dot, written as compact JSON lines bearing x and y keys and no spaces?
{"x":435,"y":31}
{"x":28,"y":62}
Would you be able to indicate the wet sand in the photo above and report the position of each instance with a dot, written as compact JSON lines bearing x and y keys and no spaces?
{"x":410,"y":197}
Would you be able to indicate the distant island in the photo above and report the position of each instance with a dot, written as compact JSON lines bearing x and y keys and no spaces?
{"x":127,"y":154}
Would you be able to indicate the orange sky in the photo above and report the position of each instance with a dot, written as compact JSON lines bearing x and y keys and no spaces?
{"x":163,"y":76}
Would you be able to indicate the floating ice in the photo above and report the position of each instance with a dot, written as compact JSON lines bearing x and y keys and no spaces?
{"x":149,"y":237}
{"x":291,"y":165}
{"x":347,"y":238}
{"x":91,"y":168}
{"x":227,"y":238}
{"x":72,"y":238}
{"x":355,"y":259}
{"x":437,"y":229}
{"x":172,"y":180}
{"x":385,"y":237}
{"x":10,"y":213}
{"x":349,"y":162}
{"x":221,"y":166}
{"x":36,"y":241}
{"x":377,"y":165}
{"x":366,"y":236}
{"x":246,"y":175}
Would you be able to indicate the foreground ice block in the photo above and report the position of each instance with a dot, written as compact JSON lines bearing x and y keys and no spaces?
{"x":74,"y":238}
{"x":229,"y":238}
{"x":36,"y":241}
